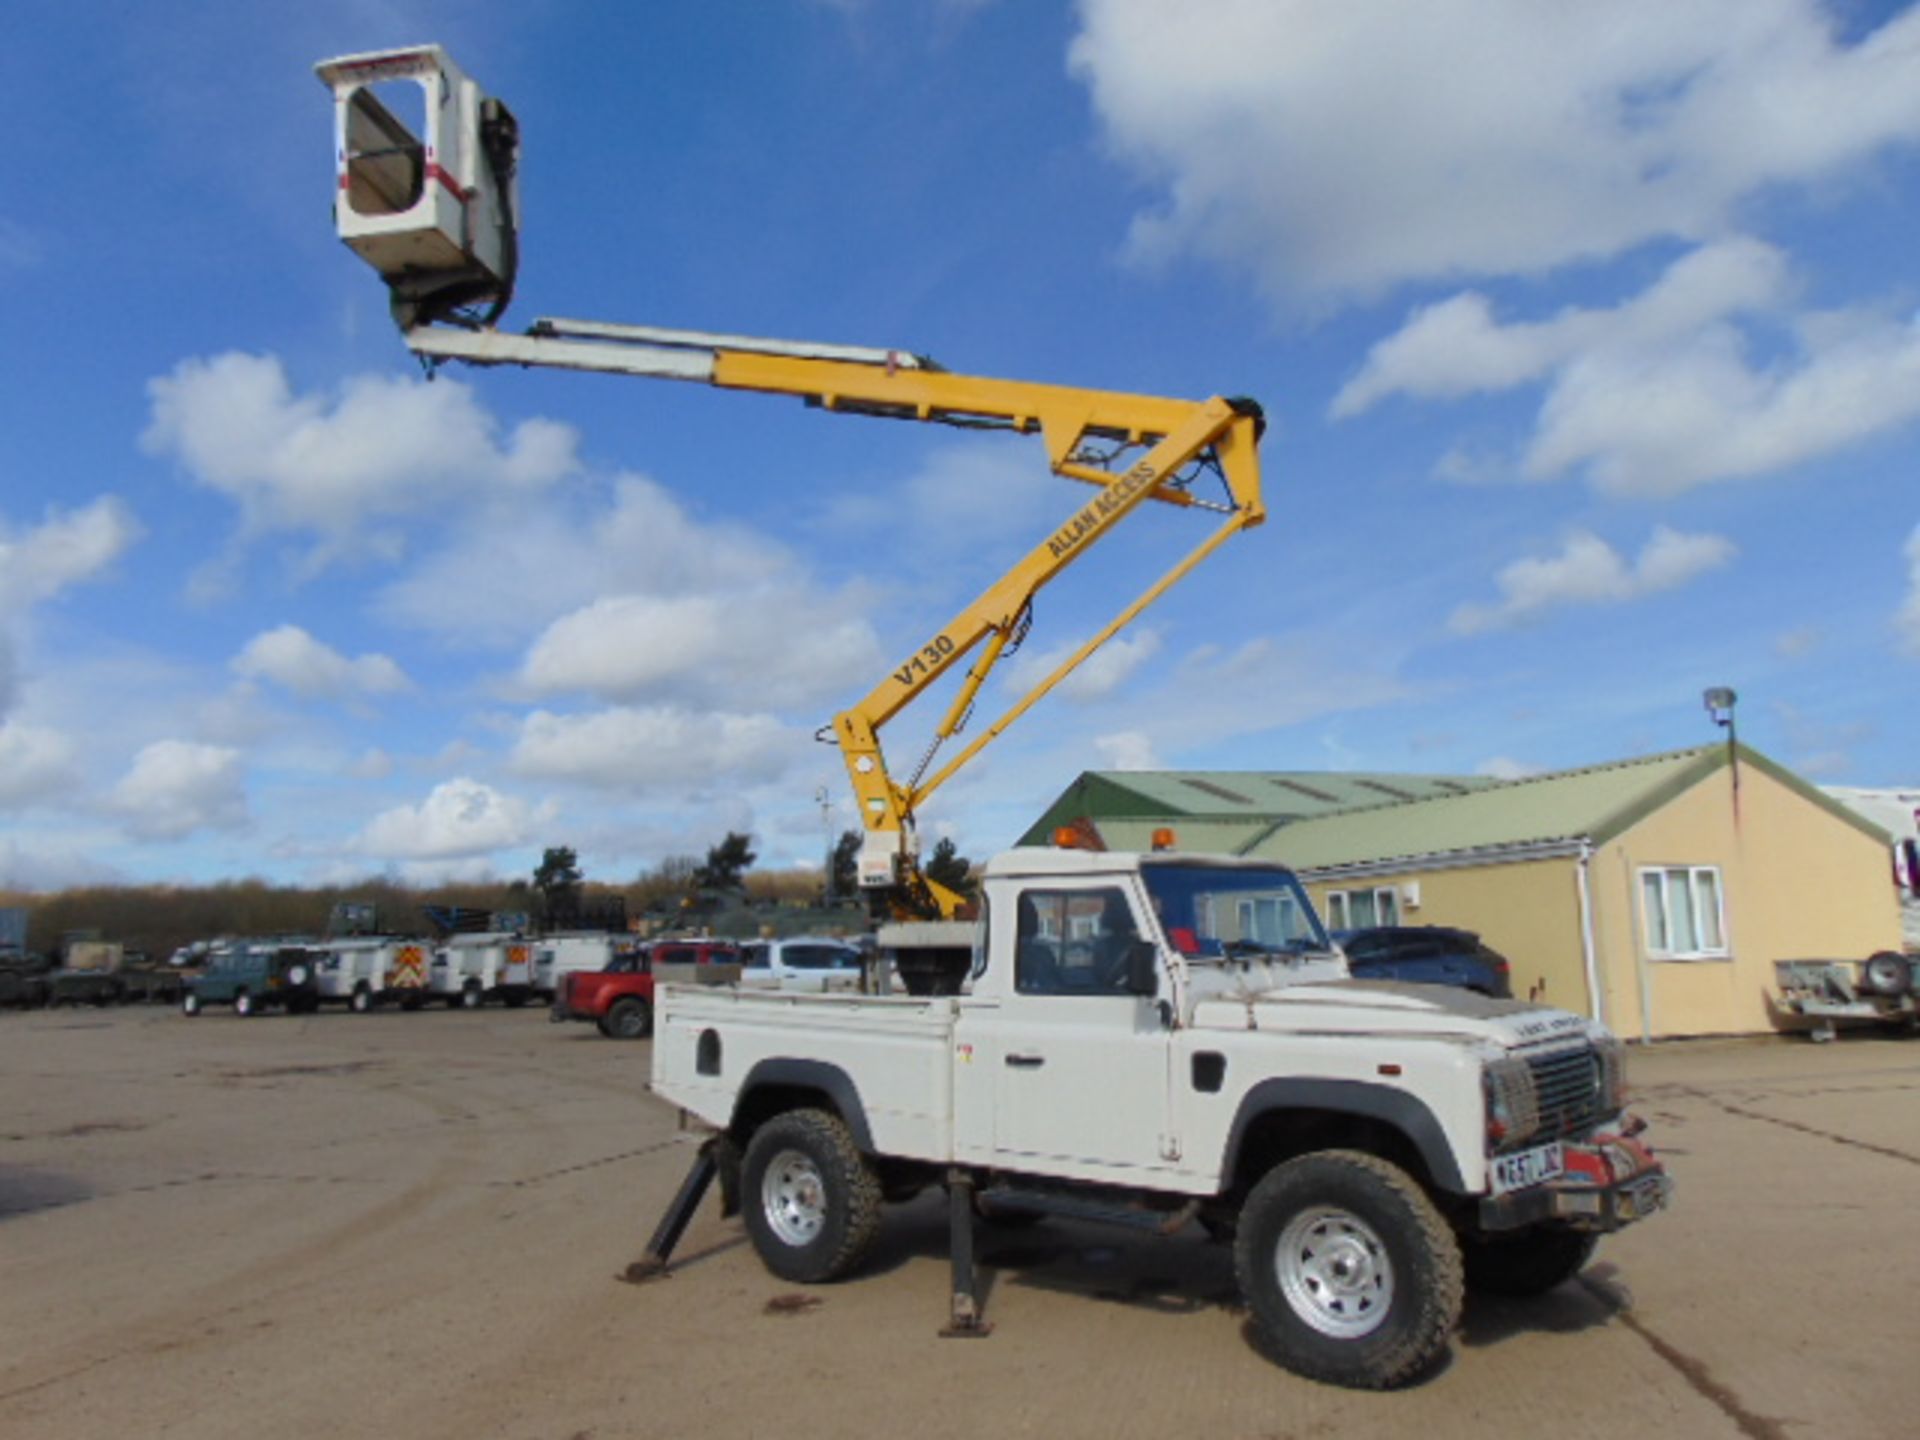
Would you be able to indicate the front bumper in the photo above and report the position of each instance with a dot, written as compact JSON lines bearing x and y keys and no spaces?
{"x":1610,"y":1182}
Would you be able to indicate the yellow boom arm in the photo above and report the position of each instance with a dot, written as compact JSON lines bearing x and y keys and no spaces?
{"x":1131,"y":448}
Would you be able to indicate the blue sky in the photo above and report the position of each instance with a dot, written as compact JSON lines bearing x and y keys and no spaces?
{"x":1588,"y":335}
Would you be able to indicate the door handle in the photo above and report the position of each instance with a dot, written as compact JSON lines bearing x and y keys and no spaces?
{"x":1026,"y":1062}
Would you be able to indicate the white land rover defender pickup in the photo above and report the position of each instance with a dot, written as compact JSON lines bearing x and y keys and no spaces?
{"x":1162,"y":1038}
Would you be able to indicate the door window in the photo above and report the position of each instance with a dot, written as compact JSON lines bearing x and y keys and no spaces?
{"x":1073,"y":942}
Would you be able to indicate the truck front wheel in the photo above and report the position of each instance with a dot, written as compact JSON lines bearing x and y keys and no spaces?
{"x":1530,"y":1263}
{"x":1351,"y":1273}
{"x":811,"y":1199}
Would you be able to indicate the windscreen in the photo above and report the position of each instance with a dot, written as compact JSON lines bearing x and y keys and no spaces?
{"x":1213,"y":912}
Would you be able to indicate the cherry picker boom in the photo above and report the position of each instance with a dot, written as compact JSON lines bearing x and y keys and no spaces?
{"x":436,"y":215}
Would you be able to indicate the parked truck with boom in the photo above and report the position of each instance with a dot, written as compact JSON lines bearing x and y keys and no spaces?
{"x":1164,"y":1038}
{"x":1147,"y":1039}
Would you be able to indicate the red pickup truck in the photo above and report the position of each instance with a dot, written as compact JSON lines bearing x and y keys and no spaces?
{"x":619,"y":999}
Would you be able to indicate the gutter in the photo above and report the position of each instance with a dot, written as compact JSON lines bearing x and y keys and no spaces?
{"x":1506,"y":854}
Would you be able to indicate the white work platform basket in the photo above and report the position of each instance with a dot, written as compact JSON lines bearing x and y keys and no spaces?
{"x":425,"y":166}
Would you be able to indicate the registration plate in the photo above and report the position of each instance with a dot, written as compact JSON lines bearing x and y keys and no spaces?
{"x":1528,"y":1167}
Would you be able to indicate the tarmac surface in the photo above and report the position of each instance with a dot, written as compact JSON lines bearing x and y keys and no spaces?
{"x":412,"y":1225}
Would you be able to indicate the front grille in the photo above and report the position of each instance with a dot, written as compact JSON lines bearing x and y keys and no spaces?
{"x":1569,"y":1091}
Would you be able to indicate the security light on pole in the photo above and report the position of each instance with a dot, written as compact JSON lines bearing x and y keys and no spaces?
{"x":1720,"y":701}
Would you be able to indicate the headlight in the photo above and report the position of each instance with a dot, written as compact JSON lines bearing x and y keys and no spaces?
{"x":1611,"y":1056}
{"x":1513,"y":1105}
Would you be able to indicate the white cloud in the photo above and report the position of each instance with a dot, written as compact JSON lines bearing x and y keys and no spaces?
{"x":1102,"y":673}
{"x":1664,"y":392}
{"x":383,"y":448}
{"x":1907,"y":621}
{"x":35,"y":764}
{"x":511,"y":572}
{"x":1126,"y":750}
{"x":293,"y":659}
{"x":179,"y":786}
{"x":1657,"y":423}
{"x":461,"y":819}
{"x":1337,"y":149}
{"x":1588,"y":571}
{"x":668,"y":747}
{"x":66,"y":548}
{"x":785,"y":647}
{"x":1457,"y":347}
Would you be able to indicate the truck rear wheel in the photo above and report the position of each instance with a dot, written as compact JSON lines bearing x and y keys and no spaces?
{"x":360,"y":1001}
{"x":811,"y":1199}
{"x":629,"y":1019}
{"x":1352,"y":1275}
{"x":1530,"y":1263}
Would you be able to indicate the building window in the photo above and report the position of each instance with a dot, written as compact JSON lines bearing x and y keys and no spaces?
{"x":1362,"y":909}
{"x":1682,"y":912}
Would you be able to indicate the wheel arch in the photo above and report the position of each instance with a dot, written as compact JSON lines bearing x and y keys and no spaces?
{"x":1279,"y":1119}
{"x":773,"y":1087}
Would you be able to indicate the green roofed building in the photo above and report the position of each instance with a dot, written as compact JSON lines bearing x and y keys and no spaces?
{"x":1655,"y":893}
{"x":1223,"y":811}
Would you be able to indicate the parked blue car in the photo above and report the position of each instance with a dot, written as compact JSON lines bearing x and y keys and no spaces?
{"x":1427,"y":955}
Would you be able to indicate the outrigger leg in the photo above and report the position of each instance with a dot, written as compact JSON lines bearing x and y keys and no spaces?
{"x":964,"y":1320}
{"x":673,"y":1224}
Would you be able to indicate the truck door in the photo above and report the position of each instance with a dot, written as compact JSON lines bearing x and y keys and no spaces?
{"x":1080,"y":1065}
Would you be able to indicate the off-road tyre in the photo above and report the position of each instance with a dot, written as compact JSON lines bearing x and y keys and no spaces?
{"x":360,"y":1001}
{"x":1527,"y":1264}
{"x":190,"y":1004}
{"x":243,"y":1004}
{"x":629,"y":1019}
{"x":1376,"y":1271}
{"x":809,"y":1155}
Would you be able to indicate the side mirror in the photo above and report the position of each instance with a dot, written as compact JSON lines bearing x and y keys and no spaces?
{"x":1143,"y":968}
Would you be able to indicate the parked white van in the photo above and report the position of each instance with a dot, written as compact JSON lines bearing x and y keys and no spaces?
{"x":362,"y":973}
{"x":560,"y":955}
{"x":469,"y":969}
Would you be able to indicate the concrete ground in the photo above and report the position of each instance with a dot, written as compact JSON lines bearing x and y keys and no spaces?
{"x":411,"y":1226}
